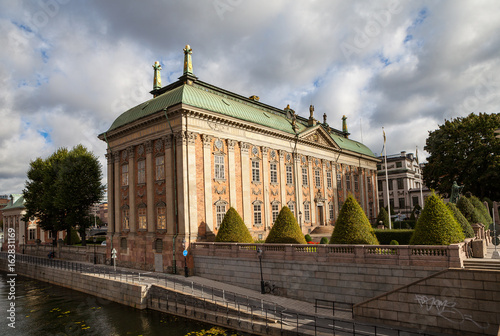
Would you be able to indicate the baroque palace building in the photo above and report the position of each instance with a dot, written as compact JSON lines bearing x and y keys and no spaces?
{"x":177,"y":162}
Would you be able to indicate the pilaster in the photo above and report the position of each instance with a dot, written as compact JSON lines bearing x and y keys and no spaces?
{"x":313,"y":207}
{"x":245,"y":182}
{"x":265,"y":188}
{"x":150,"y":187}
{"x":207,"y":178}
{"x":131,"y":189}
{"x":111,"y":188}
{"x":116,"y":191}
{"x":232,"y":173}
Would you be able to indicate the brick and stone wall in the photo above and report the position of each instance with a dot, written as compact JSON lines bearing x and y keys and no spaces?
{"x":454,"y":301}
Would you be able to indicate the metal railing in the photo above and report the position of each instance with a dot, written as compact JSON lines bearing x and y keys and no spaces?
{"x":198,"y":300}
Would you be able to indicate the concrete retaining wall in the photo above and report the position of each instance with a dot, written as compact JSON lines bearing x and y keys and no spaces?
{"x":313,"y":278}
{"x":455,"y":302}
{"x":125,"y":293}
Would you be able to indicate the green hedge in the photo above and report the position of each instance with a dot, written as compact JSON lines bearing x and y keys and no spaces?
{"x":233,"y":229}
{"x":385,"y":236}
{"x":285,"y":230}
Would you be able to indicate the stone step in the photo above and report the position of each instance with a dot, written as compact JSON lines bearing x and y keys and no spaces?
{"x":482,"y":264}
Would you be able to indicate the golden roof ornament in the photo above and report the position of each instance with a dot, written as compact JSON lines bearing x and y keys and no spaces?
{"x":188,"y":63}
{"x":157,"y":77}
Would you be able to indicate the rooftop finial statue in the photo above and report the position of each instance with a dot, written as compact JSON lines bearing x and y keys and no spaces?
{"x":344,"y":124}
{"x":455,"y":192}
{"x":157,"y":77}
{"x":188,"y":64}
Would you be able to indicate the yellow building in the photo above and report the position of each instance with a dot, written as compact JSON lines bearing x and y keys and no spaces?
{"x":177,"y":162}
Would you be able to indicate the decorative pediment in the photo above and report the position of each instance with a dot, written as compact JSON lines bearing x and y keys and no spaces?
{"x":319,"y":136}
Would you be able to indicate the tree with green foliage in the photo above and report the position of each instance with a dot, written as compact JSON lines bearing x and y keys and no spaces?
{"x":465,"y":150}
{"x":233,"y":229}
{"x":61,"y":189}
{"x":352,"y":226}
{"x":436,"y":225}
{"x":383,"y":217}
{"x":308,"y":238}
{"x":324,"y":240}
{"x":464,"y":223}
{"x":468,"y":210}
{"x":482,"y":210}
{"x":73,"y":238}
{"x":285,"y":230}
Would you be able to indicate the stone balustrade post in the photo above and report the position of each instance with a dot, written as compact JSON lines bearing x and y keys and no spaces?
{"x":404,"y":255}
{"x":288,"y":252}
{"x":359,"y":253}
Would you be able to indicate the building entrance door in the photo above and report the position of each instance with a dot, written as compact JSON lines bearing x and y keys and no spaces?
{"x":321,"y":220}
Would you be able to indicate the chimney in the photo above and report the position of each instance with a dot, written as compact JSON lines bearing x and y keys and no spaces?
{"x":403,"y":154}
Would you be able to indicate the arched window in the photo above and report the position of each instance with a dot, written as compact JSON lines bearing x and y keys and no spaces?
{"x":257,"y":213}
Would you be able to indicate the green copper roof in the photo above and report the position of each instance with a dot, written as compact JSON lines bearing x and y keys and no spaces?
{"x":351,"y":145}
{"x":16,"y":204}
{"x":207,"y":97}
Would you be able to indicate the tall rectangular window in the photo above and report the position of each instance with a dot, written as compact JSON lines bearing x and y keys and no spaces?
{"x":317,"y":178}
{"x":161,"y":220}
{"x":369,"y":184}
{"x":331,"y":210}
{"x":220,"y":212}
{"x":32,"y":234}
{"x":125,"y":175}
{"x":255,"y":171}
{"x":348,"y":181}
{"x":402,"y":203}
{"x":289,"y":175}
{"x":380,"y":185}
{"x":328,"y":179}
{"x":274,"y":172}
{"x":275,"y":211}
{"x":339,"y":181}
{"x":304,"y":176}
{"x":307,"y":213}
{"x":390,"y":184}
{"x":400,"y":183}
{"x":291,"y":206}
{"x":142,"y":218}
{"x":160,"y":168}
{"x":415,"y":200}
{"x":257,"y":215}
{"x":356,"y":182}
{"x":219,"y":167}
{"x":141,"y":171}
{"x":126,"y":224}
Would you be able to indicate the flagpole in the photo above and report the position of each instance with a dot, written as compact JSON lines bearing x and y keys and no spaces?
{"x":387,"y":183}
{"x":421,"y":181}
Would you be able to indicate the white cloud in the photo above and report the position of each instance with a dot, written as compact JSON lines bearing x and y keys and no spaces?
{"x":71,"y":69}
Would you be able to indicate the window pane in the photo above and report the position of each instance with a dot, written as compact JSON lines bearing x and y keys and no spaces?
{"x":141,"y":171}
{"x":160,"y":168}
{"x":255,"y":171}
{"x":274,"y":173}
{"x":161,"y":218}
{"x":219,"y":167}
{"x":125,"y":175}
{"x":304,"y":176}
{"x":289,"y":176}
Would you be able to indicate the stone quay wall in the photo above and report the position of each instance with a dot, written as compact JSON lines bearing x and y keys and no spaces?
{"x":122,"y":292}
{"x":339,"y":273}
{"x":454,"y":302}
{"x":68,"y":252}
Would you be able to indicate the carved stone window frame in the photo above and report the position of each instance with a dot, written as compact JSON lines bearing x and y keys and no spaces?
{"x":218,"y":215}
{"x":159,"y":205}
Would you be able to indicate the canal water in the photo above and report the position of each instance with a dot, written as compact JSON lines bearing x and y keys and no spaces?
{"x":43,"y":309}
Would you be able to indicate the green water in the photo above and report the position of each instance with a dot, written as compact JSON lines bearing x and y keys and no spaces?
{"x":43,"y":309}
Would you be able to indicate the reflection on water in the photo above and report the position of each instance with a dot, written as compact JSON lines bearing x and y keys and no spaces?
{"x":45,"y":309}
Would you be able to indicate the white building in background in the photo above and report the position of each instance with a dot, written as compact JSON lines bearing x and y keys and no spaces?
{"x":405,"y":182}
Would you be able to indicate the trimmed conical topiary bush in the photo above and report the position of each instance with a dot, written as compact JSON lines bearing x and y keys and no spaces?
{"x":466,"y":228}
{"x":468,"y":210}
{"x":383,"y":217}
{"x":233,"y":229}
{"x":482,"y":210}
{"x":285,"y":230}
{"x":352,"y":226}
{"x":436,"y":225}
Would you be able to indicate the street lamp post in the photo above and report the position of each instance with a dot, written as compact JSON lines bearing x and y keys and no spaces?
{"x":184,"y":252}
{"x":95,"y":256}
{"x":262,"y":286}
{"x":300,"y":218}
{"x":23,"y":244}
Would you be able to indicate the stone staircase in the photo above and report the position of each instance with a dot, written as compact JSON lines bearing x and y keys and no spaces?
{"x":481,"y":263}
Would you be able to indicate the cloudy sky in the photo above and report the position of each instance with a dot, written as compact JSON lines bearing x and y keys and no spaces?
{"x":68,"y":68}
